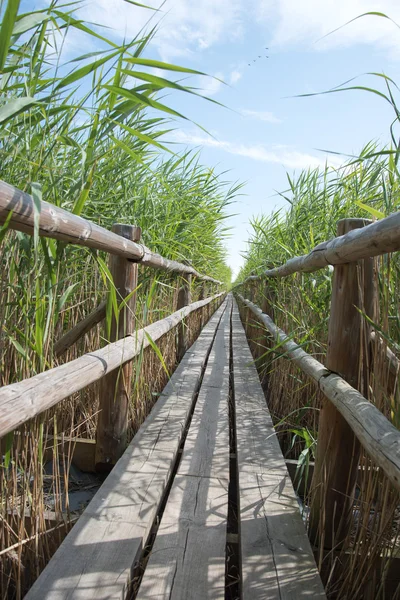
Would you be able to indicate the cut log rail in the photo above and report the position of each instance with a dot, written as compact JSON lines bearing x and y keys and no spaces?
{"x":377,"y":435}
{"x":59,"y":224}
{"x":353,"y":311}
{"x":206,"y":462}
{"x":375,"y":239}
{"x":22,"y":401}
{"x":158,"y":526}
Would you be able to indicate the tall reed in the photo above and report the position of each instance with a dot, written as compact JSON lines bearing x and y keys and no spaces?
{"x":300,"y":305}
{"x":86,"y":136}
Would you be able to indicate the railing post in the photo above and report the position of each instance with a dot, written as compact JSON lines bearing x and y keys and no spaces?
{"x":115,"y":388}
{"x":250,"y":293}
{"x":184,"y":299}
{"x":202,"y":296}
{"x":267,"y":307}
{"x":338,"y":450}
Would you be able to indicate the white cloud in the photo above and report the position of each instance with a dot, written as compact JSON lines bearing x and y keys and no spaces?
{"x":261,"y":115}
{"x":282,"y":155}
{"x":183,"y":26}
{"x":235,"y":76}
{"x":186,"y":27}
{"x":307,"y":21}
{"x":209,"y":86}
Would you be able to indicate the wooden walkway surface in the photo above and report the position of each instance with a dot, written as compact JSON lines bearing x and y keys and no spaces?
{"x":206,"y":459}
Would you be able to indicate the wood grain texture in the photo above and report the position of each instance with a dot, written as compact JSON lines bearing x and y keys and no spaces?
{"x":188,"y":558}
{"x":22,"y":401}
{"x":184,"y":299}
{"x":206,"y":451}
{"x":377,"y":435}
{"x":277,"y":560}
{"x":96,"y":559}
{"x":80,"y":451}
{"x":115,"y":387}
{"x":375,"y":239}
{"x":73,"y":335}
{"x":62,"y":225}
{"x":348,"y":354}
{"x":187,"y":561}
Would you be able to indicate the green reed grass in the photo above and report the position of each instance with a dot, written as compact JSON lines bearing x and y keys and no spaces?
{"x":86,"y":135}
{"x":316,"y":200}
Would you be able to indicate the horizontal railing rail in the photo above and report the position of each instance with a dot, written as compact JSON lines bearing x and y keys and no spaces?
{"x":377,"y":435}
{"x":377,"y":238}
{"x":60,"y":224}
{"x":347,"y":420}
{"x":26,"y":399}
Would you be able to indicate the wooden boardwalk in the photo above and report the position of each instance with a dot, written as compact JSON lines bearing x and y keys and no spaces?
{"x":206,"y":462}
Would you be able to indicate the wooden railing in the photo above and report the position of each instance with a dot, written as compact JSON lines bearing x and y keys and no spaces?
{"x":62,"y":225}
{"x":347,"y":418}
{"x":24,"y":400}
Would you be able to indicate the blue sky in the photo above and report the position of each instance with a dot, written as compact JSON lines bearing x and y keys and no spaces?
{"x":268,"y":131}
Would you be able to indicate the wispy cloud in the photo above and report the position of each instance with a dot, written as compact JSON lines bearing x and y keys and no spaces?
{"x":209,"y":86}
{"x":235,"y":76}
{"x":183,"y":27}
{"x":186,"y":27}
{"x":297,"y":23}
{"x":261,"y":115}
{"x":282,"y":155}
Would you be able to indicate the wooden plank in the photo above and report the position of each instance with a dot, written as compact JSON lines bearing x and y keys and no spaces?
{"x":187,"y":561}
{"x":377,"y":435}
{"x":60,"y":224}
{"x":22,"y":401}
{"x":206,"y":451}
{"x":80,"y":451}
{"x":277,"y":560}
{"x":97,"y":557}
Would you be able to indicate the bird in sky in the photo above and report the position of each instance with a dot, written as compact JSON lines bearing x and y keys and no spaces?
{"x":258,"y":57}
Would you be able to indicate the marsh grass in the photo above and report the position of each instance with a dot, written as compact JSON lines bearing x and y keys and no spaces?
{"x":300,"y":304}
{"x":86,"y":135}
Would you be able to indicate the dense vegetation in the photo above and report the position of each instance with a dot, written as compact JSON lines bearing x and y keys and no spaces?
{"x":85,"y":135}
{"x":88,"y":136}
{"x":367,"y":187}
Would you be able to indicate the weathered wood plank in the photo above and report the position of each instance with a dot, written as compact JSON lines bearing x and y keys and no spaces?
{"x":206,"y":451}
{"x":60,"y":224}
{"x":277,"y":560}
{"x":80,"y":451}
{"x":377,"y":435}
{"x":188,"y":558}
{"x":187,"y":561}
{"x":22,"y":401}
{"x":97,"y":557}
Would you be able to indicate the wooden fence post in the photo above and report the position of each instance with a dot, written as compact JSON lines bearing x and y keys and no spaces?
{"x":267,"y":307}
{"x":184,"y":299}
{"x":338,"y":450}
{"x":202,"y":296}
{"x":115,"y":388}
